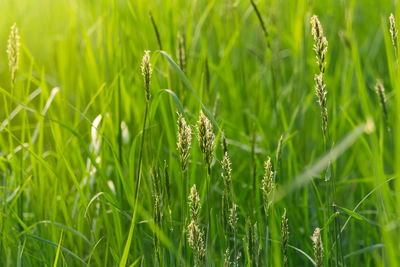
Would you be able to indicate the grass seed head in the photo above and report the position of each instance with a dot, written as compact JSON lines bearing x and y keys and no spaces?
{"x":393,"y":32}
{"x":226,"y":197}
{"x":195,"y":234}
{"x":321,"y":92}
{"x":318,"y":247}
{"x":233,"y":219}
{"x":206,"y":138}
{"x":227,"y":258}
{"x":285,"y":238}
{"x":146,"y":72}
{"x":192,"y":229}
{"x":226,"y":172}
{"x":320,"y":42}
{"x":184,"y":141}
{"x":196,"y":243}
{"x":380,"y":90}
{"x":156,"y":197}
{"x":194,"y":203}
{"x":181,"y":52}
{"x":155,"y":182}
{"x":13,"y":52}
{"x":268,"y":185}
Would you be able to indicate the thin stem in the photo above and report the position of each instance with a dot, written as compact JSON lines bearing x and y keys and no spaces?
{"x":270,"y":54}
{"x":208,"y":180}
{"x":119,"y":65}
{"x":158,"y":258}
{"x":338,"y":242}
{"x":139,"y":173}
{"x":330,"y":184}
{"x":21,"y":198}
{"x":253,"y":163}
{"x":266,"y":246}
{"x":328,"y":195}
{"x":119,"y":120}
{"x":261,"y":21}
{"x":183,"y":208}
{"x":235,"y":238}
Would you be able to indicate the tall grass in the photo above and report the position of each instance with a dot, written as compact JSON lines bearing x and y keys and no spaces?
{"x":100,"y":166}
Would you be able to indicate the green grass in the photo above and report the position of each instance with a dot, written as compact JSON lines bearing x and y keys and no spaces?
{"x":65,"y":203}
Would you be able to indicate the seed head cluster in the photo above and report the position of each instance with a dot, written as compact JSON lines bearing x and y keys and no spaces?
{"x":226,"y":171}
{"x":195,"y":233}
{"x":318,"y":247}
{"x":206,"y":138}
{"x":285,"y":238}
{"x":226,"y":197}
{"x":227,"y":258}
{"x":321,"y":92}
{"x":268,"y":185}
{"x":233,"y":219}
{"x":233,"y":222}
{"x":194,"y":203}
{"x":13,"y":52}
{"x":393,"y":32}
{"x":380,"y":90}
{"x":320,"y":48}
{"x":196,"y":243}
{"x":320,"y":42}
{"x":146,"y":72}
{"x":184,"y":141}
{"x":181,"y":52}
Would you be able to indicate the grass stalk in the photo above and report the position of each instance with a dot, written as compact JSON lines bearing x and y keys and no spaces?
{"x":146,"y":72}
{"x":206,"y":140}
{"x":139,"y":171}
{"x":320,"y":48}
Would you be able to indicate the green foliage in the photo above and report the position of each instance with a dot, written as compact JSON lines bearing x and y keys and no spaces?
{"x":73,"y":108}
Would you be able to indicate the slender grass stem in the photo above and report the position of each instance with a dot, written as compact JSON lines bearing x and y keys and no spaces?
{"x":139,"y":171}
{"x":208,"y":180}
{"x":253,"y":167}
{"x":183,"y":215}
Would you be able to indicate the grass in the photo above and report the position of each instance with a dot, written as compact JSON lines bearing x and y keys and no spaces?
{"x":77,"y":189}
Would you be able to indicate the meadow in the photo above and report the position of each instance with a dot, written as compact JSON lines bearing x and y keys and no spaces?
{"x":199,"y":133}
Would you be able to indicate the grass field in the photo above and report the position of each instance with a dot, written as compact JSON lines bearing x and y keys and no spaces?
{"x":294,"y":150}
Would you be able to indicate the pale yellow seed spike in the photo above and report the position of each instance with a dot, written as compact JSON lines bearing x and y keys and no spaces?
{"x":393,"y":31}
{"x":318,"y":247}
{"x":146,"y":72}
{"x":184,"y":141}
{"x":13,"y":52}
{"x":206,"y":138}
